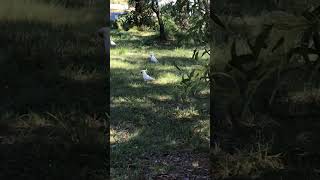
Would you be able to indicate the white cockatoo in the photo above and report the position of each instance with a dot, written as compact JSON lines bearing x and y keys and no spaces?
{"x":152,"y":58}
{"x":145,"y":76}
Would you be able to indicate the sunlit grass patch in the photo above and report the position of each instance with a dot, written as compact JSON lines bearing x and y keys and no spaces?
{"x":167,"y":78}
{"x":130,"y":101}
{"x":132,"y":55}
{"x":120,"y":51}
{"x":163,"y":97}
{"x":202,"y":129}
{"x":127,"y":136}
{"x":136,"y":32}
{"x":117,"y":136}
{"x":187,"y":113}
{"x":119,"y":100}
{"x":135,"y":85}
{"x":119,"y":1}
{"x":123,"y":65}
{"x":166,"y":68}
{"x":183,"y":52}
{"x":205,"y":92}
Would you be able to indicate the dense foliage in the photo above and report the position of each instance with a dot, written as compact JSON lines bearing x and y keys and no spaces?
{"x":268,"y":87}
{"x":184,"y":21}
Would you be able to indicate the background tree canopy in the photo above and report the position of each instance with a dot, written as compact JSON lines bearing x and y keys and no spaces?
{"x":182,"y":20}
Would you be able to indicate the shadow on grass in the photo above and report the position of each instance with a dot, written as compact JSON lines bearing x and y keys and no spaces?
{"x":134,"y":39}
{"x":48,"y":120}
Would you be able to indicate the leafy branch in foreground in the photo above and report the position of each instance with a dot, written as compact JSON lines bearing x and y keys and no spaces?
{"x":255,"y":76}
{"x":192,"y":81}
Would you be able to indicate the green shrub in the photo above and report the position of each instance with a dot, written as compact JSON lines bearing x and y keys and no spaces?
{"x":170,"y":25}
{"x":129,"y":20}
{"x":145,"y":19}
{"x":125,"y":21}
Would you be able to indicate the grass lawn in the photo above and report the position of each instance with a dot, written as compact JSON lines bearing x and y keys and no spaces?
{"x":153,"y":131}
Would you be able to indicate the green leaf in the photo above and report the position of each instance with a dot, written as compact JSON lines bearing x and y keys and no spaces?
{"x":185,"y":81}
{"x":196,"y":55}
{"x":250,"y":45}
{"x":316,"y":39}
{"x":191,"y":73}
{"x":278,"y":44}
{"x":316,"y":12}
{"x":261,"y":39}
{"x":205,"y":52}
{"x":302,"y":51}
{"x":253,"y":90}
{"x":217,"y":20}
{"x":175,"y":65}
{"x":233,"y":50}
{"x":312,"y":16}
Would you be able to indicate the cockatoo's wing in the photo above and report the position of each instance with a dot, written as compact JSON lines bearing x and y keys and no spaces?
{"x":150,"y":78}
{"x":146,"y":77}
{"x":153,"y":59}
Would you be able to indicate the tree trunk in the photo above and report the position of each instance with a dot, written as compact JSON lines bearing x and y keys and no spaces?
{"x":156,"y":9}
{"x":139,"y":4}
{"x":161,"y":25}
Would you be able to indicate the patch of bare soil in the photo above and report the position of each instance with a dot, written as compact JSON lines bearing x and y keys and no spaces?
{"x":184,"y":165}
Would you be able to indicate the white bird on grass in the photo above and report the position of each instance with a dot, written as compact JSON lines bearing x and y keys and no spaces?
{"x":145,"y":76}
{"x":153,"y":59}
{"x":113,"y":44}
